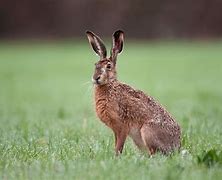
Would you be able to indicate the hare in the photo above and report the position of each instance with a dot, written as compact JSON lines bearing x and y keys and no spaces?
{"x":128,"y":111}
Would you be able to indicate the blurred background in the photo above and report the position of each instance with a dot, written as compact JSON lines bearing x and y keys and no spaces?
{"x":140,"y":19}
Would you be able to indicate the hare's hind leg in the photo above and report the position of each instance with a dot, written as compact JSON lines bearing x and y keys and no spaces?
{"x":135,"y":134}
{"x":150,"y":138}
{"x":160,"y":139}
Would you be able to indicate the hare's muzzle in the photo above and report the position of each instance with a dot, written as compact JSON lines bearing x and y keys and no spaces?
{"x":95,"y":80}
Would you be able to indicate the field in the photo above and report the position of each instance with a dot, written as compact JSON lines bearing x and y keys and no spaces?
{"x":49,"y":129}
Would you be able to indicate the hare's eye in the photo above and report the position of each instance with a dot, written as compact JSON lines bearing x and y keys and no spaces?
{"x":108,"y":66}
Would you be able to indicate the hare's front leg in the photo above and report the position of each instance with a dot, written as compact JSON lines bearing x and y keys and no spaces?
{"x":120,"y":138}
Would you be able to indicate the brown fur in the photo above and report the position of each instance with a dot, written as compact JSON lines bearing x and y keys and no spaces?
{"x":128,"y":111}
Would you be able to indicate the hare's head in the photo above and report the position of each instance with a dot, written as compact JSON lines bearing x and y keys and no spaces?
{"x":105,"y":68}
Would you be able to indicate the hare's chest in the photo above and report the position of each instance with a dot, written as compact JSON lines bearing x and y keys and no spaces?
{"x":106,"y":112}
{"x":101,"y":110}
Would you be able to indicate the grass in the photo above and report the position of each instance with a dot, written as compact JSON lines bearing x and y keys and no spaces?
{"x":49,"y":129}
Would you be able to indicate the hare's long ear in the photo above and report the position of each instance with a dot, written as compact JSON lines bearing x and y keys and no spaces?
{"x":117,"y":44}
{"x":97,"y":44}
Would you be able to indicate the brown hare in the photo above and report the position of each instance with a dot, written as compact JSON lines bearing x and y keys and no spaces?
{"x":128,"y":111}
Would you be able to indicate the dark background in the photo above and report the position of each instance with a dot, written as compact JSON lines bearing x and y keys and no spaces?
{"x":141,"y":18}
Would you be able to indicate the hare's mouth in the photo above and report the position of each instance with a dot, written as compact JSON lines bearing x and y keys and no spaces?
{"x":95,"y":82}
{"x":98,"y":81}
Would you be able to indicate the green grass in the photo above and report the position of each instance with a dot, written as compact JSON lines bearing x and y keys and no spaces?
{"x":49,"y":129}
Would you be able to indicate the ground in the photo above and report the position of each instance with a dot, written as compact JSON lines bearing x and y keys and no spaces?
{"x":49,"y":129}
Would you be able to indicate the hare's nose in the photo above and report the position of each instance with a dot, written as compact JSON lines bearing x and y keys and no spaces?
{"x":97,"y":78}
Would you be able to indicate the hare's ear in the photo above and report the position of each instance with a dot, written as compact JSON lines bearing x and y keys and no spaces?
{"x":117,"y":44}
{"x":97,"y":44}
